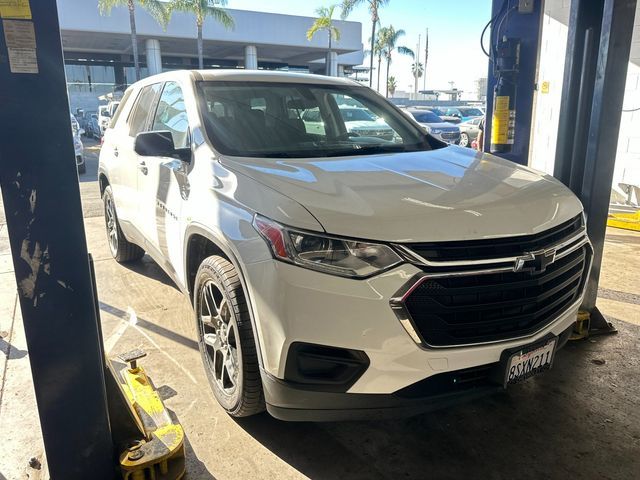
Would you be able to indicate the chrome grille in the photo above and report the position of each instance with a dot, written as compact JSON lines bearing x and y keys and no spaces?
{"x":485,"y":298}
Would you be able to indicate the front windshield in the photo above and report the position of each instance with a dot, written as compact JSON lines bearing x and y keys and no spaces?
{"x":426,"y":117}
{"x":470,"y":112}
{"x":263,"y":119}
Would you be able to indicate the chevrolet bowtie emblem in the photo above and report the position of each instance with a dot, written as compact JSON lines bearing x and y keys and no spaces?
{"x":535,"y":262}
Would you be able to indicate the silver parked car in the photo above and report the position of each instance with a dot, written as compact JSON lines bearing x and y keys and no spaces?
{"x":469,"y":131}
{"x":77,"y":144}
{"x":437,"y":127}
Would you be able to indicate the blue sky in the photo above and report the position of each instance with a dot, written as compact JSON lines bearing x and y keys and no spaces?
{"x":454,"y":33}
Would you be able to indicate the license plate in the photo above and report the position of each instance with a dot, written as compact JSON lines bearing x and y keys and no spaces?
{"x":529,"y":361}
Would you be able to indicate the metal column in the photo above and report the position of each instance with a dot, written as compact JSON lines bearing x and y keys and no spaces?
{"x":600,"y":33}
{"x":44,"y":217}
{"x":526,"y":27}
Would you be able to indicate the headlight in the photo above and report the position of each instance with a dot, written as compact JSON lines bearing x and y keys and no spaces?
{"x":346,"y":258}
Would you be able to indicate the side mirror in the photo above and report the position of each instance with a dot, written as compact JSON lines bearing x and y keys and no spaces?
{"x":159,"y":144}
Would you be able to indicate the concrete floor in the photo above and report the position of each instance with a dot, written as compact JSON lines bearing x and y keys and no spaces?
{"x":580,"y":420}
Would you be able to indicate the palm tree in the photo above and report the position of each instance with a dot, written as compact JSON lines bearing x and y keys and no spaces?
{"x":203,"y":9}
{"x":374,"y":10}
{"x":154,"y":7}
{"x":378,"y":50}
{"x":391,"y":44}
{"x":324,"y":22}
{"x":392,"y":84}
{"x":417,"y":69}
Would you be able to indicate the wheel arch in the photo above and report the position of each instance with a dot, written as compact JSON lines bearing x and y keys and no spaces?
{"x":103,"y":181}
{"x":200,"y":243}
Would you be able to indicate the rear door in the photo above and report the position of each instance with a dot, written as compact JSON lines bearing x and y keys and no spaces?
{"x":125,"y":187}
{"x":163,"y":183}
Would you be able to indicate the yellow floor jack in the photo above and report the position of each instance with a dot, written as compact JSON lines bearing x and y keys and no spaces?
{"x":151,"y":442}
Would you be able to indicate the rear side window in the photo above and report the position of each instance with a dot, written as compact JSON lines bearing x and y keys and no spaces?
{"x":139,"y":118}
{"x":121,"y":106}
{"x":171,"y":115}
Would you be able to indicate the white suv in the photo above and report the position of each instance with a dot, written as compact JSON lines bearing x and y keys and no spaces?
{"x":339,"y":276}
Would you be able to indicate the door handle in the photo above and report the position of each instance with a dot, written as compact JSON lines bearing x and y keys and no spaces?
{"x":142,"y":166}
{"x":115,"y":151}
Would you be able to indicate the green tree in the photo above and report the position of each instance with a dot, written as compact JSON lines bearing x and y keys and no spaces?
{"x":155,"y":7}
{"x":391,"y":45}
{"x":374,"y":9}
{"x":392,"y":84}
{"x":324,"y":23}
{"x":203,"y":9}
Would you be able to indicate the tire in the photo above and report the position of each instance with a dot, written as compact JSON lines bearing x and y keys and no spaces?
{"x":82,"y":168}
{"x":224,"y":327}
{"x":121,"y":249}
{"x":464,"y":140}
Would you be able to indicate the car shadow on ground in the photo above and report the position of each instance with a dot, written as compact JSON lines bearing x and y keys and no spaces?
{"x":149,"y":268}
{"x":150,"y":326}
{"x":554,"y":426}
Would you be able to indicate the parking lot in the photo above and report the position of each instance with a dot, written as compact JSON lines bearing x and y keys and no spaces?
{"x":580,"y":420}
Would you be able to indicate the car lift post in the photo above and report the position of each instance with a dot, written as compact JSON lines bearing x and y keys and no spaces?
{"x":44,"y":218}
{"x":598,"y":46}
{"x":527,"y":27}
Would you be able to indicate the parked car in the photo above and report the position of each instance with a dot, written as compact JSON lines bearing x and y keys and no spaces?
{"x":469,"y":131}
{"x":444,"y":116}
{"x":437,"y":127}
{"x":93,"y":127}
{"x":336,"y":276}
{"x":463,"y":113}
{"x":77,"y":144}
{"x":105,"y":113}
{"x":358,"y":121}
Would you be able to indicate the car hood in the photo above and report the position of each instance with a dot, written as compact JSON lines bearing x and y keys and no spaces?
{"x":367,"y":125}
{"x":450,"y":193}
{"x":442,"y":126}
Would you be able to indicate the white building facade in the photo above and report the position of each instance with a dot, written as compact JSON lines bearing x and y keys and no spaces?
{"x":99,"y":60}
{"x":547,"y":101}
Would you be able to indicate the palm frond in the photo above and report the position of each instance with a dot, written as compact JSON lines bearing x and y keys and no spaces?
{"x":324,"y":22}
{"x":406,"y":51}
{"x":221,"y":16}
{"x":335,"y":32}
{"x":158,"y":10}
{"x":105,"y":6}
{"x":347,"y":7}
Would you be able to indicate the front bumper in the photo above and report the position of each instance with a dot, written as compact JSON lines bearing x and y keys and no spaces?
{"x":292,"y":304}
{"x":293,"y":402}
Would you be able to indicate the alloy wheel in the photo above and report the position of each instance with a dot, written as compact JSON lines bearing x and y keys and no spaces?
{"x":219,"y":334}
{"x":112,"y":225}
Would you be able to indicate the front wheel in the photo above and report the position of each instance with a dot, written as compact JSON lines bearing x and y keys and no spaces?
{"x":464,"y":140}
{"x":225,"y":338}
